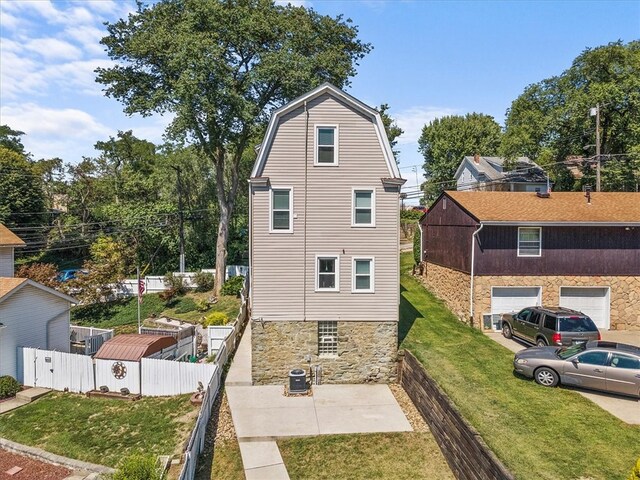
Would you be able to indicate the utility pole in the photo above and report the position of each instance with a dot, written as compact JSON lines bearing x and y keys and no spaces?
{"x":597,"y":115}
{"x":180,"y":217}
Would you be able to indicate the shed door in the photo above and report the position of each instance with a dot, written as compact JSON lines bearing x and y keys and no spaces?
{"x":514,"y":299}
{"x":590,"y":301}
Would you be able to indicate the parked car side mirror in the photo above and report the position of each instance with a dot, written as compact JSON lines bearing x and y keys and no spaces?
{"x":575,"y":362}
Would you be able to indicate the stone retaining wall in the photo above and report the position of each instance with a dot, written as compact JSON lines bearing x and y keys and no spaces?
{"x":367,"y":352}
{"x":464,"y":449}
{"x":451,"y":286}
{"x":624,"y":294}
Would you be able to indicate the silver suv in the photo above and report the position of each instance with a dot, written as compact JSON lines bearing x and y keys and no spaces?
{"x":544,"y":326}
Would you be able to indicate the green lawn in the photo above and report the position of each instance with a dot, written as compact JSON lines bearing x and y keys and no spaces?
{"x":123,"y":314}
{"x":539,"y":433}
{"x":397,"y":456}
{"x":99,"y":430}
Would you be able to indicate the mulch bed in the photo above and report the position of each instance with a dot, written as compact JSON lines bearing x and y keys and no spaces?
{"x":32,"y":469}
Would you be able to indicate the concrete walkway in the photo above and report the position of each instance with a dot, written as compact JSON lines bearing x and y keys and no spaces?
{"x":23,"y":398}
{"x":262,"y":414}
{"x":626,"y":409}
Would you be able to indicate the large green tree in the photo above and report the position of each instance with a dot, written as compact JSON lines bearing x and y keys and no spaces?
{"x":446,"y":141}
{"x":219,"y":67}
{"x":391,"y":127}
{"x":550,"y":121}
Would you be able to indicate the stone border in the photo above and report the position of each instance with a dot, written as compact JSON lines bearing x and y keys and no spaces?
{"x":39,"y":454}
{"x":469,"y":457}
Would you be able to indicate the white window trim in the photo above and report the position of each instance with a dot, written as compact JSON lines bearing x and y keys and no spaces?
{"x":337,"y":287}
{"x":271,"y":229}
{"x":336,"y":142}
{"x":372,"y":275}
{"x":539,"y":250}
{"x":353,"y":207}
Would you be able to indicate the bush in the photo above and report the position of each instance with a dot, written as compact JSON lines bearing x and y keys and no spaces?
{"x":44,"y":273}
{"x":417,"y":246}
{"x":175,"y":283}
{"x":9,"y":386}
{"x":233,"y":286}
{"x":635,"y":472}
{"x":185,"y":305}
{"x":215,"y":319}
{"x":411,"y":214}
{"x":202,"y":305}
{"x":204,"y":281}
{"x":137,"y":467}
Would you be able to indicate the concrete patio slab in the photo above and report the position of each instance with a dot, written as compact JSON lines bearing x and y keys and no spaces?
{"x":336,"y":395}
{"x":361,"y":419}
{"x":271,"y":423}
{"x":31,"y":394}
{"x":265,"y":396}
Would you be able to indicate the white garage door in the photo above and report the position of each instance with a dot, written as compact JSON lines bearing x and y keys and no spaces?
{"x":591,"y":301}
{"x":513,"y":299}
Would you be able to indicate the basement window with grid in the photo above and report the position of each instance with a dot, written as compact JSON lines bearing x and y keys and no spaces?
{"x":529,"y":241}
{"x":328,"y":338}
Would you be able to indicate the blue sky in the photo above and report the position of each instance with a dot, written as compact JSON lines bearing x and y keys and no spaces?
{"x":429,"y":59}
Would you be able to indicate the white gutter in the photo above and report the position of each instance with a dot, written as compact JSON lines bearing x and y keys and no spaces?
{"x":473,"y":251}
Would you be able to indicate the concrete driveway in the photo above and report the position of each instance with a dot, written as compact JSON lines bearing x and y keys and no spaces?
{"x":625,"y":408}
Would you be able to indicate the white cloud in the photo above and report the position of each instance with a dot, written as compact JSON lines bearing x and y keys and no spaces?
{"x":53,"y":48}
{"x":88,"y":37}
{"x":413,"y":119}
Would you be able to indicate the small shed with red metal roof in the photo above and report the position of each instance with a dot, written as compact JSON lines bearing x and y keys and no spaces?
{"x":132,"y":347}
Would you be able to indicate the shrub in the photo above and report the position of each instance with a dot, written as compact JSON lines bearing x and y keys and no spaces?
{"x":9,"y":386}
{"x":417,"y":246}
{"x":167,"y":295}
{"x":137,"y":467}
{"x":233,"y":286}
{"x":202,"y":305}
{"x":44,"y":273}
{"x":204,"y":281}
{"x":175,"y":283}
{"x":635,"y":472}
{"x":215,"y":319}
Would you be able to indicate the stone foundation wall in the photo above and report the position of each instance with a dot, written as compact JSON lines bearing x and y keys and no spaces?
{"x":624,"y":294}
{"x":451,"y":286}
{"x":367,"y":352}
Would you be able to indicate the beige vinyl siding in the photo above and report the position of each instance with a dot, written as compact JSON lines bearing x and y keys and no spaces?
{"x":25,"y":315}
{"x":278,"y":260}
{"x":6,"y":261}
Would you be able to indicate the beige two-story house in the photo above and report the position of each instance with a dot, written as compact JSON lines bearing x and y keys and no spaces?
{"x":324,"y":239}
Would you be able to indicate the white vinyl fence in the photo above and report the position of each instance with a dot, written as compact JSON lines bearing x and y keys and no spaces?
{"x":117,"y":374}
{"x":219,"y":336}
{"x":56,"y":370}
{"x":161,"y":378}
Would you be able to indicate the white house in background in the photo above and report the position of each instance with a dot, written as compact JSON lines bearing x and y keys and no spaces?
{"x":487,"y":173}
{"x":31,"y":315}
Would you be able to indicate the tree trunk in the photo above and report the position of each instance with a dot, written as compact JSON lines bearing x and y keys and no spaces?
{"x":221,"y":248}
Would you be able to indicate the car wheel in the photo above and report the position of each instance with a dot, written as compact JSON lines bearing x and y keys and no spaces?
{"x":546,"y":377}
{"x":541,"y":342}
{"x":506,"y":330}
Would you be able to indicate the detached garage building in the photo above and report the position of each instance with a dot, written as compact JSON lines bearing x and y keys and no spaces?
{"x":488,"y":253}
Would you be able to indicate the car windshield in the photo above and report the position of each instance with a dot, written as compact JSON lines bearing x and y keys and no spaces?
{"x":577,"y":324}
{"x":566,"y":352}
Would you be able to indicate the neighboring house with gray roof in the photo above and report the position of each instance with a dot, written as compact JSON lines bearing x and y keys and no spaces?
{"x":487,"y":173}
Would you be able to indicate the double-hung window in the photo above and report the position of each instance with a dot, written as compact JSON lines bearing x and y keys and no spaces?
{"x":363,"y":275}
{"x":529,"y":241}
{"x":281,"y":210}
{"x":363,"y":210}
{"x":326,"y":145}
{"x":327,"y":273}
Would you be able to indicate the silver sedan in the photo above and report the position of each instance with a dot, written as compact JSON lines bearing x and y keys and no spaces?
{"x":607,"y":366}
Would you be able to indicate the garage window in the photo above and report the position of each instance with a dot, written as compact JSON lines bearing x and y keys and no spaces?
{"x":529,"y":241}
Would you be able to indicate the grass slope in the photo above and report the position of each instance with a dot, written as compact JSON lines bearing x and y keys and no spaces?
{"x":398,"y":456}
{"x":124,"y":312}
{"x":99,"y":430}
{"x":539,"y":433}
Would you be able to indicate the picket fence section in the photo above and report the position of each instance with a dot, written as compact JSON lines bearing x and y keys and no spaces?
{"x":162,"y":378}
{"x":56,"y":370}
{"x":219,"y":336}
{"x":105,"y":375}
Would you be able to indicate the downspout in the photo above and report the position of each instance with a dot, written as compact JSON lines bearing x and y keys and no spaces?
{"x":306,"y":168}
{"x":473,"y":255}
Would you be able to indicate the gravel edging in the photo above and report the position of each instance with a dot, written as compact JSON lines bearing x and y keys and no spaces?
{"x":416,"y":420}
{"x":40,"y":454}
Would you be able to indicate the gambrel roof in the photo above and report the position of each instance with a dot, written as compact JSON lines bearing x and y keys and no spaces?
{"x":342,"y":96}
